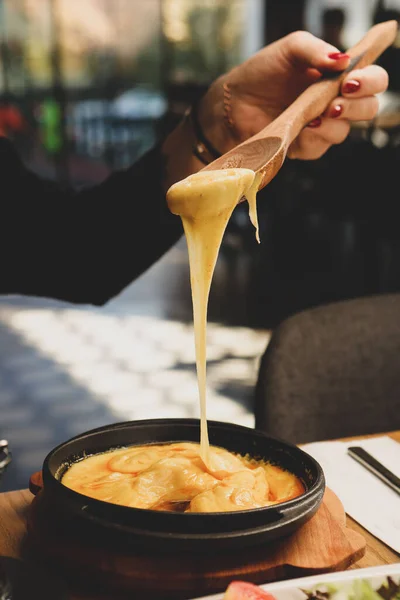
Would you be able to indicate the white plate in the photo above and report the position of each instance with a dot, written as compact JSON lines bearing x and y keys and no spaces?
{"x":345,"y":582}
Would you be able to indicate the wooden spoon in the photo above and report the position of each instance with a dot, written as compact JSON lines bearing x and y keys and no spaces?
{"x":265,"y":152}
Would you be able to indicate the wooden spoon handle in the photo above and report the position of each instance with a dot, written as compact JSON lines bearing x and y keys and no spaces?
{"x":315,"y":99}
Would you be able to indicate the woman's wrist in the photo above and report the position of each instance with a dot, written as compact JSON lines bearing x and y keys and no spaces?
{"x":178,"y":156}
{"x":195,"y":141}
{"x":203,"y":148}
{"x":215,"y":117}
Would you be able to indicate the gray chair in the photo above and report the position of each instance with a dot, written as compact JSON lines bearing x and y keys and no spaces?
{"x":332,"y":371}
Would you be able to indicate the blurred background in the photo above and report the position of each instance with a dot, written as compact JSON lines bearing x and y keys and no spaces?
{"x":87,"y":87}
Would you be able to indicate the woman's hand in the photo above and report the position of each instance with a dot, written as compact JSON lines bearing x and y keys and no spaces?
{"x":253,"y":94}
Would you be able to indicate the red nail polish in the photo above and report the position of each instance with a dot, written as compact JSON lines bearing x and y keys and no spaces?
{"x":315,"y":123}
{"x":351,"y":86}
{"x":336,"y":111}
{"x":338,"y":55}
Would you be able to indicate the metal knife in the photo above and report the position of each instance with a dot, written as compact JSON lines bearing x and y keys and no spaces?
{"x":375,"y":467}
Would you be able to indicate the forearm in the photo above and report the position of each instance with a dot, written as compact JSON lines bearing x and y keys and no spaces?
{"x":82,"y":247}
{"x":86,"y":247}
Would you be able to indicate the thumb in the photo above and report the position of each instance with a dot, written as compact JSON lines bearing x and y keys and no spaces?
{"x":305,"y":50}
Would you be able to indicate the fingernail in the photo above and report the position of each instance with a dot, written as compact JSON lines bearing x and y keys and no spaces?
{"x":336,"y":111}
{"x":315,"y":123}
{"x":351,"y":86}
{"x":338,"y":55}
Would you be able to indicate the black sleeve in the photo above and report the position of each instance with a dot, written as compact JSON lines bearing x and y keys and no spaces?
{"x":81,"y":246}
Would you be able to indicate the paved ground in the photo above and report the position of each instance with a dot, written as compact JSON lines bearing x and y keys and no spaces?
{"x":66,"y":369}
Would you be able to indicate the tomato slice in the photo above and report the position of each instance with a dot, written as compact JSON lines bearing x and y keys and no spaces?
{"x":243,"y":590}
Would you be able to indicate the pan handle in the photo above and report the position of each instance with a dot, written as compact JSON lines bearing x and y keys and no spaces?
{"x":36,"y":482}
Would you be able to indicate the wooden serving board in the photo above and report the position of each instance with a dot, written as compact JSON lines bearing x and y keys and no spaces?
{"x":323,"y":544}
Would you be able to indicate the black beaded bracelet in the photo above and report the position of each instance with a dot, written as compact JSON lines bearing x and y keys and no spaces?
{"x":203,"y":145}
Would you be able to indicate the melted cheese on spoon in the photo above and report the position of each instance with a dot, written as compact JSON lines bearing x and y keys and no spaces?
{"x":205,"y":202}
